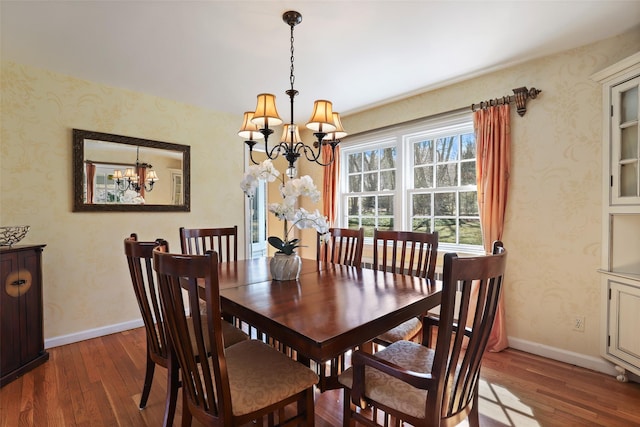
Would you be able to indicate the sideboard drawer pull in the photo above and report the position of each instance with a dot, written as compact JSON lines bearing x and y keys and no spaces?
{"x":19,"y":282}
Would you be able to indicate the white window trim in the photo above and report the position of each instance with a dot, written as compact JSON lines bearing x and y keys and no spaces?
{"x":402,"y":136}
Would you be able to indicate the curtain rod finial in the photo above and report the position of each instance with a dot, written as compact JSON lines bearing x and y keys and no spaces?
{"x":521,"y":95}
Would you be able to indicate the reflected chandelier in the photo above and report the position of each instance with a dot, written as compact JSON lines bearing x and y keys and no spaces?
{"x":324,"y":123}
{"x":129,"y":180}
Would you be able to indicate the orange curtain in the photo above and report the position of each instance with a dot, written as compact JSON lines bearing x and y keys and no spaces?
{"x":493,"y":168}
{"x":142,"y":176}
{"x":91,"y":174}
{"x":330,"y":184}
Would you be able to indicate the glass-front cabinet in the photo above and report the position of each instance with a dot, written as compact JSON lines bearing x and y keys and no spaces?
{"x":620,"y":266}
{"x":625,"y":155}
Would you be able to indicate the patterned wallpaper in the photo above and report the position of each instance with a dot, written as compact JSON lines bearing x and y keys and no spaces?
{"x":553,"y":224}
{"x":553,"y":218}
{"x":86,"y":279}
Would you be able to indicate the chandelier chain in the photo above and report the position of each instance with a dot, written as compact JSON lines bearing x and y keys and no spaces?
{"x":292,"y":77}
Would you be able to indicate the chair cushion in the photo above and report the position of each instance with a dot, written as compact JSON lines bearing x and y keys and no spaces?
{"x":405,"y":331}
{"x":230,"y":334}
{"x":391,"y":391}
{"x":260,"y":376}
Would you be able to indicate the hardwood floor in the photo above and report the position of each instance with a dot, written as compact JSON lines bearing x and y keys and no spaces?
{"x":98,"y":383}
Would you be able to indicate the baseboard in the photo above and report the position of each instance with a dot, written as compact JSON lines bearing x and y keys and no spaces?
{"x":92,"y":333}
{"x":589,"y":362}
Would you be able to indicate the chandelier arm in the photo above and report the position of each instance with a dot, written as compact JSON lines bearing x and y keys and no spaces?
{"x":306,"y":149}
{"x":316,"y":155}
{"x":251,"y":143}
{"x":276,"y":150}
{"x":333,"y":145}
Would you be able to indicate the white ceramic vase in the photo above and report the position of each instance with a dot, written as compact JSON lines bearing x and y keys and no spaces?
{"x":285,"y":267}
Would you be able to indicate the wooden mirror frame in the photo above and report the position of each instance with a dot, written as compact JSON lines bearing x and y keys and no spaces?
{"x":79,"y":137}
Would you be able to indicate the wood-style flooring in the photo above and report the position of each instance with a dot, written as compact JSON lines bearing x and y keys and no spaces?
{"x":98,"y":383}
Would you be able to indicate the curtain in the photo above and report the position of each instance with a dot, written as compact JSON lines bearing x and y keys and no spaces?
{"x":493,"y":167}
{"x":91,"y":174}
{"x":142,"y":176}
{"x":330,"y":184}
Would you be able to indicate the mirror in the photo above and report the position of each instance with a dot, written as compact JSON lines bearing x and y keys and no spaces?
{"x":125,"y":174}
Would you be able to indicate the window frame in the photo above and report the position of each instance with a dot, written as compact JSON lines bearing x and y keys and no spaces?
{"x":403,"y":136}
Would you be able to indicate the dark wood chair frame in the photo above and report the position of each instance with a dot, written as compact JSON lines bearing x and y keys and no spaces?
{"x":342,"y":246}
{"x":453,"y":382}
{"x":223,"y":240}
{"x":139,"y":258}
{"x":418,"y":252}
{"x":412,"y":252}
{"x":206,"y":392}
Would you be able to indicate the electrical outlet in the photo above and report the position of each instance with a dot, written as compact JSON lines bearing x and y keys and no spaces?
{"x":578,"y":323}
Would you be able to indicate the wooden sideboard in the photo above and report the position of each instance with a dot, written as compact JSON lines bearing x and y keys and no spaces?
{"x":21,"y":323}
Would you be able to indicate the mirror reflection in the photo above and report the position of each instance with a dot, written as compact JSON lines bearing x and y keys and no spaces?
{"x":118,"y":173}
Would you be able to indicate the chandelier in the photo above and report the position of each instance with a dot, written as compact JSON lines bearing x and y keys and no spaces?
{"x":324,"y":123}
{"x":130,"y":179}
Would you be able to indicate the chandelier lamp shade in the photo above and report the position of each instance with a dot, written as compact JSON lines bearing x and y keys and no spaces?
{"x":130,"y":179}
{"x":324,"y":122}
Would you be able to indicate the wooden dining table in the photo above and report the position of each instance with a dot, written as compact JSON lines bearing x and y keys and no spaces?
{"x":329,"y":310}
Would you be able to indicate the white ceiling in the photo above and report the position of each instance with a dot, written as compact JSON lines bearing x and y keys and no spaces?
{"x":221,"y":54}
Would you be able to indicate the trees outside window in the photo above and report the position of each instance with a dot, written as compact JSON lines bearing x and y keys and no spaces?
{"x":419,"y":177}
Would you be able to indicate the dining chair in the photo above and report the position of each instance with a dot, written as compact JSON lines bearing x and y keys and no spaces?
{"x":433,"y":387}
{"x":405,"y":252}
{"x":235,"y":385}
{"x":223,"y":240}
{"x":140,"y":259}
{"x":341,"y":246}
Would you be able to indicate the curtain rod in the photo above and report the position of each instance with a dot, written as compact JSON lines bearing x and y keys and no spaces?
{"x":519,"y":97}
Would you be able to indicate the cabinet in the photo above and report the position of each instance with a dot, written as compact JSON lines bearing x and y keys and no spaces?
{"x":620,"y":271}
{"x":21,"y":333}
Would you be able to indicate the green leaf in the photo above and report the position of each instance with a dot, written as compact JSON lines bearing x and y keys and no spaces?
{"x":276,"y":242}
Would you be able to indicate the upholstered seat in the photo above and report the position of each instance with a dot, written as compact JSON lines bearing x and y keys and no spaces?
{"x":260,"y":376}
{"x":232,"y":386}
{"x":410,"y":329}
{"x":405,"y":252}
{"x":342,"y":246}
{"x":432,"y":387}
{"x":396,"y":393}
{"x":139,"y":258}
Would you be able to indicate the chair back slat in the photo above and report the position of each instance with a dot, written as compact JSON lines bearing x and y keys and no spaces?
{"x":223,"y":240}
{"x":406,"y":252}
{"x":457,"y":361}
{"x":342,"y":246}
{"x":204,"y":374}
{"x":139,"y":259}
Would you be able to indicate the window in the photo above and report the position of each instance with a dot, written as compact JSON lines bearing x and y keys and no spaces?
{"x":418,"y":177}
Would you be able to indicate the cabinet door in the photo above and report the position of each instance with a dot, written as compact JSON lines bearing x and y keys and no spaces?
{"x":624,"y":321}
{"x":21,"y":334}
{"x":31,"y":334}
{"x":625,"y":143}
{"x":9,"y":315}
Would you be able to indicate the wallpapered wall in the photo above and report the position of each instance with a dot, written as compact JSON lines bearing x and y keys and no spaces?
{"x":553,"y":217}
{"x":86,"y":280}
{"x":553,"y":222}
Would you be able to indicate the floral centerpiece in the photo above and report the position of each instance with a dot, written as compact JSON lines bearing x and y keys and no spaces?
{"x":287,"y":211}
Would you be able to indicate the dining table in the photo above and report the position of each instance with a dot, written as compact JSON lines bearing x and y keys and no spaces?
{"x":329,"y":310}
